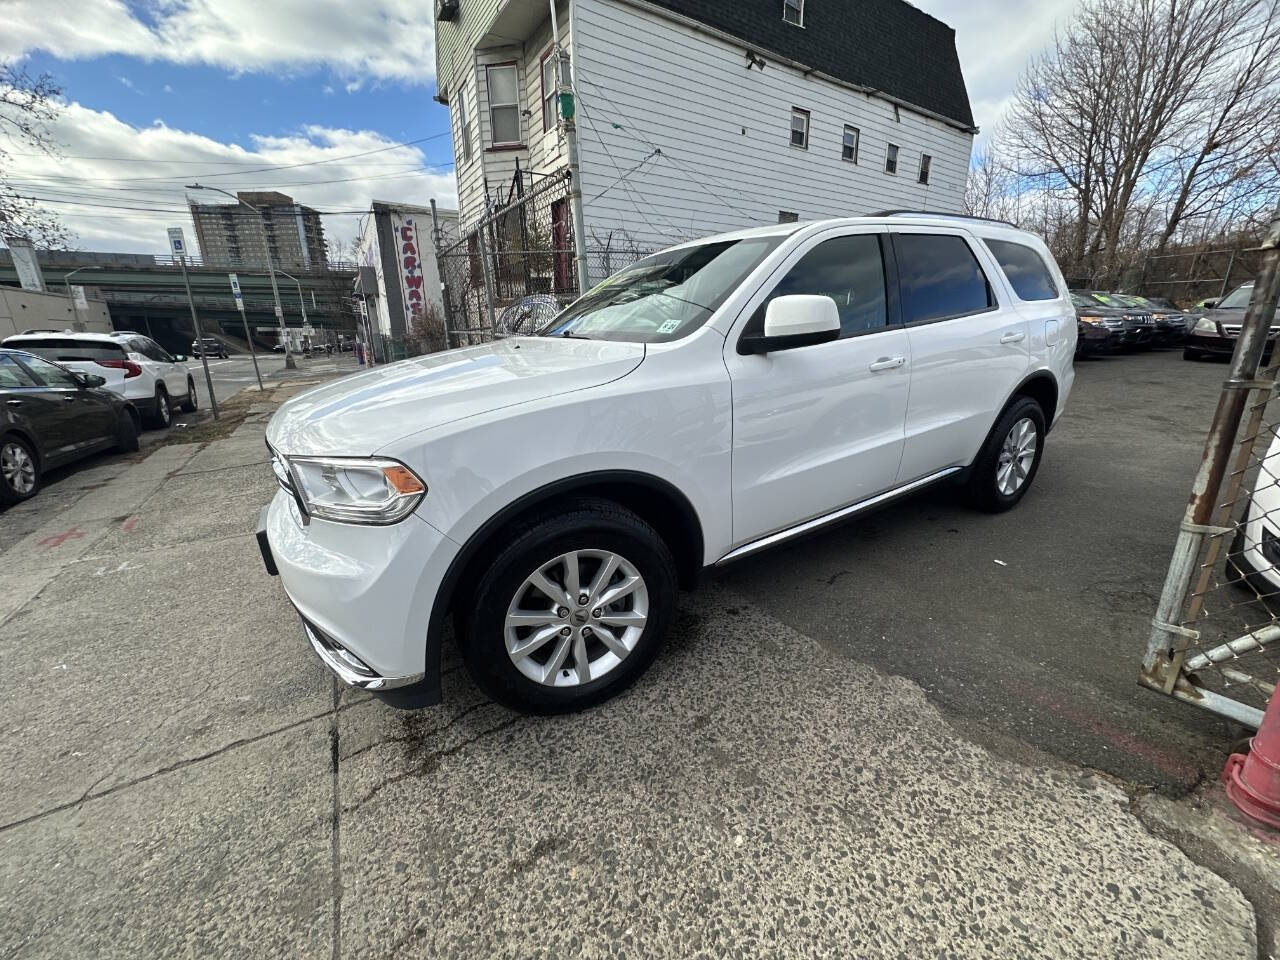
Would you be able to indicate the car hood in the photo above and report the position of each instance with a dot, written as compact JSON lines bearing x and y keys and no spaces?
{"x":360,"y":414}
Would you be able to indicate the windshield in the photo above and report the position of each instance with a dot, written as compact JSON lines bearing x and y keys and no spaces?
{"x":663,"y":297}
{"x":1237,"y":299}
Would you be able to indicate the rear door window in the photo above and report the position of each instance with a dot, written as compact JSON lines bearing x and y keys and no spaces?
{"x":12,"y":375}
{"x":939,"y":278}
{"x":52,"y":374}
{"x":66,"y":350}
{"x":1027,"y":273}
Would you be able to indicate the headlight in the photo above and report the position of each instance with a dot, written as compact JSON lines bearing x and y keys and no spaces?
{"x":1205,"y":325}
{"x":1099,"y":321}
{"x":356,"y":489}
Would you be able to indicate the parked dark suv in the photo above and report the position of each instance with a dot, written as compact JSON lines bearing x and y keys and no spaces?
{"x":209,"y":346}
{"x":1099,"y":329}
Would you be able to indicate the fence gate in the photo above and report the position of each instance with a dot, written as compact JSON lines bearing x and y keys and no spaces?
{"x":1215,"y":639}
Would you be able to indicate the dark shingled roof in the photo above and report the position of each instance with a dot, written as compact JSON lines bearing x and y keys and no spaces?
{"x":887,"y":45}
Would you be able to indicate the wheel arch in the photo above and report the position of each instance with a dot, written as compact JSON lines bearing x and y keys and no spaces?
{"x":1042,"y":387}
{"x":27,"y":437}
{"x":657,"y":501}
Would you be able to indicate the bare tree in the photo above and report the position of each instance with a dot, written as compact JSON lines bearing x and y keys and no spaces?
{"x":1127,"y":116}
{"x":28,"y":105}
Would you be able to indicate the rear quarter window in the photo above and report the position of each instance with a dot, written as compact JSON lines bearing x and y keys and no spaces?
{"x":60,"y":349}
{"x":939,"y":278}
{"x":1028,"y":274}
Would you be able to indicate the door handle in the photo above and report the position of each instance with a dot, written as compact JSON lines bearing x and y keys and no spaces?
{"x":68,"y":399}
{"x":1013,"y":336}
{"x":887,"y":363}
{"x":14,"y":403}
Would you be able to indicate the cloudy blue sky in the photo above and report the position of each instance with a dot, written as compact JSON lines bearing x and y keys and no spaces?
{"x":159,"y":92}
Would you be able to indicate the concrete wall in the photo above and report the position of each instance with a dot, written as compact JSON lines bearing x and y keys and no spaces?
{"x":28,"y":309}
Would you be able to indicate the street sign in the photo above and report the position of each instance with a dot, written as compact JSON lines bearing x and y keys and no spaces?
{"x":82,"y":302}
{"x":235,"y":290}
{"x":23,"y":252}
{"x":279,"y":314}
{"x":177,"y":242}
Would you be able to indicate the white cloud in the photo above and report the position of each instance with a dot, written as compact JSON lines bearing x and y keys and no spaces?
{"x":126,"y":82}
{"x":112,"y":164}
{"x":168,"y":89}
{"x":386,"y":39}
{"x":995,"y":39}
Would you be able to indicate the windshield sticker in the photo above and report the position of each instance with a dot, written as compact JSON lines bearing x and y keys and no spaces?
{"x":669,"y":326}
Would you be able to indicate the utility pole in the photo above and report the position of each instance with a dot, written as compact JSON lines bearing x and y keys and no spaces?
{"x":253,"y":354}
{"x":178,"y":244}
{"x":566,"y":104}
{"x":66,"y":282}
{"x":289,"y":363}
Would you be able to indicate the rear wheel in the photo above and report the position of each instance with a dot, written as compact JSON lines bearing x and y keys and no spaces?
{"x":1008,"y":461}
{"x":1190,"y":354}
{"x":190,"y":404}
{"x":163,"y":415}
{"x":572,"y":611}
{"x":19,"y":471}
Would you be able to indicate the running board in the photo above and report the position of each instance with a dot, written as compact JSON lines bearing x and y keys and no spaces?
{"x":809,"y":525}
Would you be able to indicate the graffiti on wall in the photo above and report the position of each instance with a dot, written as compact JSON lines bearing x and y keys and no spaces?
{"x":411,"y":278}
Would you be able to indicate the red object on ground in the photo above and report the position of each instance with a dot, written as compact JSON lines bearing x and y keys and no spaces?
{"x":1253,"y":779}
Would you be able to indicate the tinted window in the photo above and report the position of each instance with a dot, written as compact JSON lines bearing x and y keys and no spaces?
{"x":849,"y":270}
{"x":1029,"y":277}
{"x":153,"y":351}
{"x":939,"y":278}
{"x":12,"y":375}
{"x":52,"y":374}
{"x":64,"y":350}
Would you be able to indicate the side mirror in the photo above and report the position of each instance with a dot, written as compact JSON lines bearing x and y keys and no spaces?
{"x":1210,"y":303}
{"x":800,"y":320}
{"x":90,"y":380}
{"x":179,"y":358}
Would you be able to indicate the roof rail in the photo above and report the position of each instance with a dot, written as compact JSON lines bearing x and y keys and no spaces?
{"x":935,"y":213}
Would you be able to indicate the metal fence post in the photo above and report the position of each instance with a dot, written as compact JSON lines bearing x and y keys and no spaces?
{"x":1161,"y":667}
{"x":488,"y":277}
{"x":1226,"y":277}
{"x":440,"y":265}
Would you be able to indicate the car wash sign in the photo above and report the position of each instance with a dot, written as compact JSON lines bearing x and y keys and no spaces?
{"x":405,"y":230}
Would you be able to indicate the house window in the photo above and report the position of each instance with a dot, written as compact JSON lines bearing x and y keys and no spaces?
{"x":550,"y":109}
{"x":925,"y":162}
{"x":800,"y":128}
{"x":793,"y":12}
{"x":891,"y":159}
{"x":504,"y":104}
{"x":464,"y":127}
{"x":786,"y":216}
{"x":849,"y":148}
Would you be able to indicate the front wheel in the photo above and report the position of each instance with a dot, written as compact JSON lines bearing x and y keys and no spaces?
{"x":572,"y":611}
{"x":1009,"y":459}
{"x":163,"y":415}
{"x":127,"y":433}
{"x":190,"y":404}
{"x":19,"y":471}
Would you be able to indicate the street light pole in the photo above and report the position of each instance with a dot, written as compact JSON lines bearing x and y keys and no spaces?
{"x":66,"y":282}
{"x":302,"y":305}
{"x":289,"y":363}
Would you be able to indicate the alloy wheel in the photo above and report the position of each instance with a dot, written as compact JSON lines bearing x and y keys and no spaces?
{"x":1017,"y":454}
{"x":18,"y":469}
{"x":576,"y":618}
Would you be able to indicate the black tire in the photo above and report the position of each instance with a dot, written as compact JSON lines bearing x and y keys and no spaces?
{"x":9,"y":492}
{"x":192,"y":403}
{"x":579,"y":524}
{"x":982,"y":488}
{"x":1189,"y":354}
{"x":127,"y":433}
{"x":162,"y":416}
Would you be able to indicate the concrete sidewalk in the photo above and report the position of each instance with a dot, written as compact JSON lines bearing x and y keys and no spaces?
{"x":182,"y":778}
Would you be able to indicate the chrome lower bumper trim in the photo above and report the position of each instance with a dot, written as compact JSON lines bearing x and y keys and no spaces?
{"x":329,"y":654}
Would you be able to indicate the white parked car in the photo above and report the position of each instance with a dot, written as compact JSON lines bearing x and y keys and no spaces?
{"x":553,"y":491}
{"x":1256,"y":551}
{"x":136,"y":367}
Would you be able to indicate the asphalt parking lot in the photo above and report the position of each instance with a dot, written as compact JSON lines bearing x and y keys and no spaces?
{"x":880,"y":742}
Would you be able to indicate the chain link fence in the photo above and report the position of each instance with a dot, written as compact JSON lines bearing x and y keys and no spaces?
{"x":1188,"y":277}
{"x":1215,"y":639}
{"x":512,"y":272}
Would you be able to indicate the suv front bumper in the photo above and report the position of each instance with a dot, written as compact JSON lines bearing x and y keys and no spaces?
{"x":364,"y":593}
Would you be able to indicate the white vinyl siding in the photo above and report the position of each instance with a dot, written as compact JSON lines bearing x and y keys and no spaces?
{"x":726,"y":161}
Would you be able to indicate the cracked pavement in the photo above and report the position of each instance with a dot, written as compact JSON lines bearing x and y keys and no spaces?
{"x":182,"y":778}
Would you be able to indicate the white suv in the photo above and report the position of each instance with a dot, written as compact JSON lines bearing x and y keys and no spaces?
{"x":552,"y":492}
{"x":136,"y":367}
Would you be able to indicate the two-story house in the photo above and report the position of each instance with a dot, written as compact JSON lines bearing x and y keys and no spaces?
{"x":699,"y":116}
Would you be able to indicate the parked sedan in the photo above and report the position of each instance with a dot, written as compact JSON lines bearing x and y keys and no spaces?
{"x":50,"y":416}
{"x":1215,"y":333}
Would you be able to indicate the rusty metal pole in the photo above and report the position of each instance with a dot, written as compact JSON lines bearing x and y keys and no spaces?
{"x":1160,"y":669}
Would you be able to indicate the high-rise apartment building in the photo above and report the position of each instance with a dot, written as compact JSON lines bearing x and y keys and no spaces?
{"x":233,"y":235}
